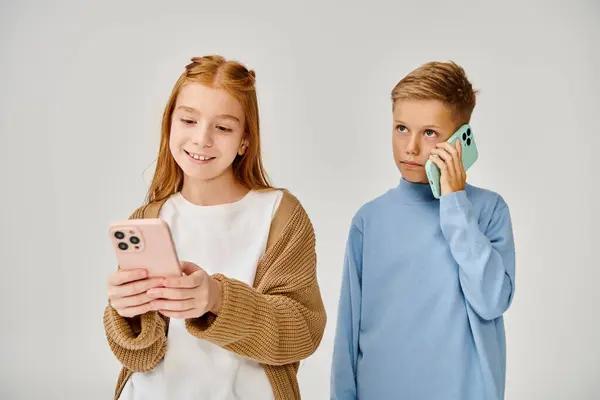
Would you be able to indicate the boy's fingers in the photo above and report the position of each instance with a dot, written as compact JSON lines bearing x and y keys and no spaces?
{"x":443,"y":153}
{"x":448,"y":147}
{"x":439,"y":162}
{"x":448,"y":159}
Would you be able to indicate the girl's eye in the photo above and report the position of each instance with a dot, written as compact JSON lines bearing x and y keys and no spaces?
{"x":223,"y":128}
{"x":401,"y":128}
{"x":430,"y":133}
{"x":187,"y":121}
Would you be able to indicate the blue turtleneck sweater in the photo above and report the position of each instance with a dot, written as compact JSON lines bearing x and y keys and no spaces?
{"x":425,"y":285}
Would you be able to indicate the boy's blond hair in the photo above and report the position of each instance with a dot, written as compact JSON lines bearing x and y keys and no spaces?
{"x":444,"y":81}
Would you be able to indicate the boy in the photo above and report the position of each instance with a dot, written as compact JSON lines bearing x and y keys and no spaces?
{"x":426,"y":281}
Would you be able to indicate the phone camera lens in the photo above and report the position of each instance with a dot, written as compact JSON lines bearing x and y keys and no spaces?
{"x":134,"y":240}
{"x":119,"y":235}
{"x":123,"y":246}
{"x":464,"y":137}
{"x":468,"y":141}
{"x":469,"y":132}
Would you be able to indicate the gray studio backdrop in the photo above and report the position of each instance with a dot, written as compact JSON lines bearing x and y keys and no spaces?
{"x":82,"y":87}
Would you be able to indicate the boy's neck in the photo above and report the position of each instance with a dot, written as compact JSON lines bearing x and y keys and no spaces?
{"x":415,"y":191}
{"x":221,"y":190}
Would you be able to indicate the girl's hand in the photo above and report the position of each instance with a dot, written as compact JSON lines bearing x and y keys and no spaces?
{"x":449,"y":160}
{"x":127,"y":292}
{"x":188,"y":296}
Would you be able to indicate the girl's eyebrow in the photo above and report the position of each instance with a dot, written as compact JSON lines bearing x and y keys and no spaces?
{"x":197,"y":112}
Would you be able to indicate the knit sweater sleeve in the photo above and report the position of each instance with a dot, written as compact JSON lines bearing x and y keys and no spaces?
{"x":139,"y":343}
{"x":282,"y":320}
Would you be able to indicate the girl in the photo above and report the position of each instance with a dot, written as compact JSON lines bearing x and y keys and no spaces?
{"x":248,"y":307}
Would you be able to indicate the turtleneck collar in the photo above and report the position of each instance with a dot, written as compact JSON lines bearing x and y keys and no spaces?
{"x":414,"y":192}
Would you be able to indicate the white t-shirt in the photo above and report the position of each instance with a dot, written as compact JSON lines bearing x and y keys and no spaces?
{"x":228,"y":239}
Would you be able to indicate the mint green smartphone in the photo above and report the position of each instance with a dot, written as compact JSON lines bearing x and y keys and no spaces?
{"x":469,"y":156}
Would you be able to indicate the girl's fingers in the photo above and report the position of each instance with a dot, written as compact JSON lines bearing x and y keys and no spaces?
{"x":185,"y":282}
{"x":130,"y":312}
{"x":178,"y":314}
{"x":173,"y":305}
{"x":133,"y":288}
{"x":171,"y":293}
{"x":123,"y":276}
{"x":131,"y":301}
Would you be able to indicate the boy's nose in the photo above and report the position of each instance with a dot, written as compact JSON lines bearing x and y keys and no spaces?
{"x":412,"y":146}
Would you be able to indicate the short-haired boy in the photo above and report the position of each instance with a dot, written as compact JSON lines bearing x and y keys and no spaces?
{"x":426,"y":281}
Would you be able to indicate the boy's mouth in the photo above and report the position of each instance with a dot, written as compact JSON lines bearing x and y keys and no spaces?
{"x":411,"y":164}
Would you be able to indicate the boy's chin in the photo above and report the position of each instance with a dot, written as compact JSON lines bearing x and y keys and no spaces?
{"x":414,"y":176}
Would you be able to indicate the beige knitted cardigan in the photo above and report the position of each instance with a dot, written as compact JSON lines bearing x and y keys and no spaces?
{"x":278,"y":322}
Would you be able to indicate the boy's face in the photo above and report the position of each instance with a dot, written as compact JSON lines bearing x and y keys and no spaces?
{"x":418,"y":126}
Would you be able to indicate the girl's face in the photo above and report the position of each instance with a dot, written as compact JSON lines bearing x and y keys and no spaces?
{"x":207,"y":132}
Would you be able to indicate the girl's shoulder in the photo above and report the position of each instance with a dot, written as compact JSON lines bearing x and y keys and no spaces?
{"x":290,"y":217}
{"x":148,"y":210}
{"x":287,"y":200}
{"x":288,"y":203}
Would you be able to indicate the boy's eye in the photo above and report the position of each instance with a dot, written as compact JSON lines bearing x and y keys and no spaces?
{"x":430,"y":133}
{"x":187,"y":121}
{"x":401,"y":128}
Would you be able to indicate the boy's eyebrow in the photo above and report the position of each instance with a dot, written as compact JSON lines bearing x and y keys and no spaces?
{"x":195,"y":111}
{"x":424,"y":126}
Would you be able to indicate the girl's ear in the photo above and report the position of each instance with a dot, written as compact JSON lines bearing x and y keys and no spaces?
{"x":243,"y":147}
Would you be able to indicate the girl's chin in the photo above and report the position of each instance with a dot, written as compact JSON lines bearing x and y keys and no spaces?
{"x":205,"y":173}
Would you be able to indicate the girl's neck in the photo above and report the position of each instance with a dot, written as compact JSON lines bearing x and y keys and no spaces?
{"x":221,"y":190}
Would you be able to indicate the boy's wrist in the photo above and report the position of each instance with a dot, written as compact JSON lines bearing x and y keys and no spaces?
{"x":457,"y":199}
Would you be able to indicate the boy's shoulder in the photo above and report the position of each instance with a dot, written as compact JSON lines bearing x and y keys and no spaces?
{"x":373,"y":207}
{"x":483,"y":197}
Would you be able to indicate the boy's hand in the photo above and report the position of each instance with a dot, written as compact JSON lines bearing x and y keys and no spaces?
{"x":449,"y":160}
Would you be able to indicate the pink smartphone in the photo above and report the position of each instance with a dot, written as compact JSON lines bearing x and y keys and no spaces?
{"x":145,"y":243}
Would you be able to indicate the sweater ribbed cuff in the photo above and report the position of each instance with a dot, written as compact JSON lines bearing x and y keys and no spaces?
{"x":235,"y":316}
{"x":455,"y":200}
{"x":122,"y":330}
